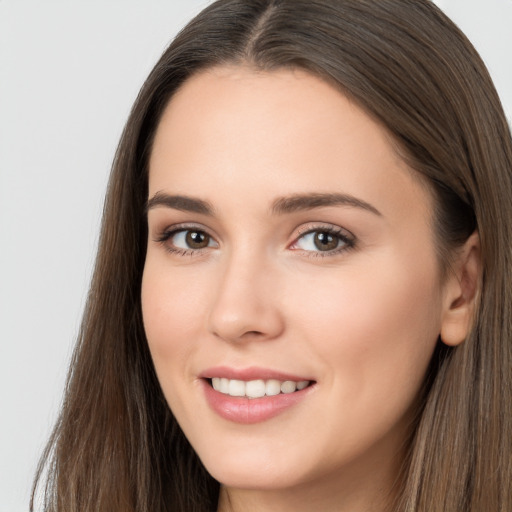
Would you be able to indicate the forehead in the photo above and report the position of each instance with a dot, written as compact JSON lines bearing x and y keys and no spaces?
{"x":238,"y":130}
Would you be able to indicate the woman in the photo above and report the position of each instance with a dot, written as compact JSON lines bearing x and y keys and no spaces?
{"x":301,"y":299}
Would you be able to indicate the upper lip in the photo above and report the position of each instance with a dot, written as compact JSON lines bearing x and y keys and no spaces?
{"x":250,"y":373}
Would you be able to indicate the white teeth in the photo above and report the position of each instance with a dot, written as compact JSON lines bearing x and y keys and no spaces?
{"x":236,"y":388}
{"x":288,"y":386}
{"x":302,"y":384}
{"x":224,"y":385}
{"x":273,"y":387}
{"x":257,"y":388}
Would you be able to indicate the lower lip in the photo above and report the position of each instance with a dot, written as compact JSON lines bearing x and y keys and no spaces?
{"x":251,"y":410}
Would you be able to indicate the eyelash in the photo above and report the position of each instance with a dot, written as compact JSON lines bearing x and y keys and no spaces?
{"x":347,"y":239}
{"x":342,"y":235}
{"x":168,"y":234}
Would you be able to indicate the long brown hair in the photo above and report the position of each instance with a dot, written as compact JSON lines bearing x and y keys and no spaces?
{"x":116,"y":445}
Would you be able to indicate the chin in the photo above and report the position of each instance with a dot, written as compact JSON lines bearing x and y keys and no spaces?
{"x":253,"y":469}
{"x":253,"y":478}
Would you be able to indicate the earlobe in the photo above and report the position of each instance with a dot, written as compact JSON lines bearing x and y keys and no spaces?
{"x":462,"y":290}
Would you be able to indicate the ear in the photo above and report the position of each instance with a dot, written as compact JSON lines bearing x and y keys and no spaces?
{"x":461,"y":292}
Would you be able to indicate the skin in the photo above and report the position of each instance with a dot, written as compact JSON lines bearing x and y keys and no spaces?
{"x":361,"y":321}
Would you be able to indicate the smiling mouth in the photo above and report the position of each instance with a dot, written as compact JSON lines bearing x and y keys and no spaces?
{"x":257,"y":388}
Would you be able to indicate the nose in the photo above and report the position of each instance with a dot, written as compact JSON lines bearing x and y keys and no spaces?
{"x":246,"y":305}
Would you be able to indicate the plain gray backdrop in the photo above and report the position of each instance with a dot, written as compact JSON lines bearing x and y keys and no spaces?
{"x":69,"y":72}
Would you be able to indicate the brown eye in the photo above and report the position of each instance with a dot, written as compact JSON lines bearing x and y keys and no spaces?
{"x":197,"y":239}
{"x":186,"y":241}
{"x":325,"y":241}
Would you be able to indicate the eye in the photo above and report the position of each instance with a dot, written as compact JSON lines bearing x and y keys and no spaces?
{"x":191,"y":239}
{"x":186,"y":241}
{"x":324,"y":240}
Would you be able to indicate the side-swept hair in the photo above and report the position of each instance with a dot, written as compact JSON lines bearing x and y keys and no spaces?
{"x":117,"y":447}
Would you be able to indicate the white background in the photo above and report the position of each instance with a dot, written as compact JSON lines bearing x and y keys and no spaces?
{"x":69,"y":72}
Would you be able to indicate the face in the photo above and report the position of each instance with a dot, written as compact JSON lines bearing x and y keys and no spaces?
{"x":291,"y":292}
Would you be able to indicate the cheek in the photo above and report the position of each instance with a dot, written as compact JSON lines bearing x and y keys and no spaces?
{"x":170,"y":305}
{"x":375,"y":325}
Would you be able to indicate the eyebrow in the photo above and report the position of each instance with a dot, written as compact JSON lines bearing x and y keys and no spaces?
{"x":300,"y":202}
{"x":280,"y":206}
{"x":179,"y":202}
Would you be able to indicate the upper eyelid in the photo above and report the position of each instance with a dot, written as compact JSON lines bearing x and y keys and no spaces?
{"x":185,"y":226}
{"x":326,"y":226}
